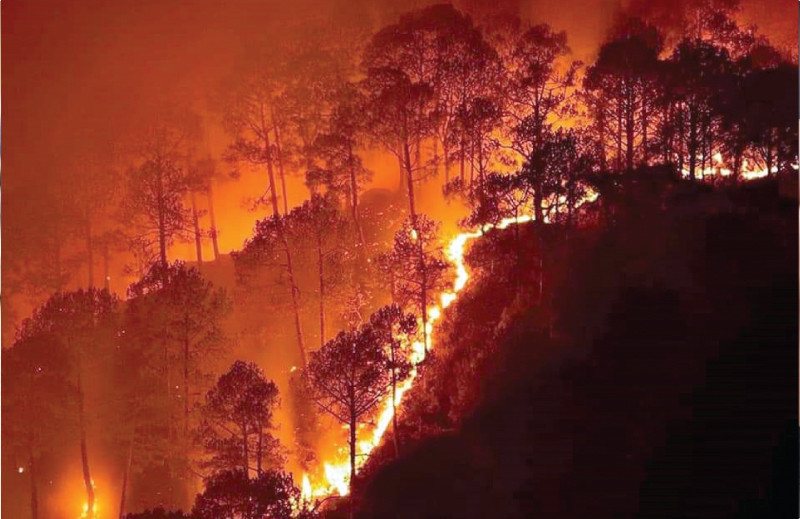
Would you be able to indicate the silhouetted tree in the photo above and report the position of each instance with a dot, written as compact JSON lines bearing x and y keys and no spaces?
{"x":37,"y":395}
{"x":264,"y":249}
{"x":156,"y":186}
{"x":396,"y":330}
{"x":84,"y":323}
{"x":696,"y":69}
{"x":318,"y":223}
{"x":234,"y":495}
{"x":420,"y":269}
{"x":342,"y":171}
{"x":237,"y":420}
{"x":348,"y":377}
{"x":188,"y":311}
{"x":621,"y":92}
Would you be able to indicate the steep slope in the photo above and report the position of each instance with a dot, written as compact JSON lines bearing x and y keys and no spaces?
{"x":658,"y":378}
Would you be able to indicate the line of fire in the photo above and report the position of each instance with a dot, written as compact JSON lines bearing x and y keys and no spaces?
{"x":394,"y":260}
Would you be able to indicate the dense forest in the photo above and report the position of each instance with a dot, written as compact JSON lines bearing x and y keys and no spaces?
{"x":482,"y":278}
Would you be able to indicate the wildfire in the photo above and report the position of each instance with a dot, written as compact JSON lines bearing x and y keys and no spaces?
{"x":750,"y":170}
{"x":85,"y":511}
{"x":337,"y":475}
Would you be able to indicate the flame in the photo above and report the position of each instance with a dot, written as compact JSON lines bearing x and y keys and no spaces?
{"x":337,"y":474}
{"x":305,"y":490}
{"x":85,"y":510}
{"x":750,"y":169}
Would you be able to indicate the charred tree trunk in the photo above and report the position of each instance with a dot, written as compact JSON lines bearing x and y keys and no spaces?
{"x":213,"y":230}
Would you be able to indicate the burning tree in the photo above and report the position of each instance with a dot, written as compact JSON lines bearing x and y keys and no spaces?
{"x":418,"y":267}
{"x":348,"y":377}
{"x":394,"y":328}
{"x":238,"y":420}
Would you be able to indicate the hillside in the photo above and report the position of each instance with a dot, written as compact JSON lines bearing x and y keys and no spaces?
{"x":657,"y":378}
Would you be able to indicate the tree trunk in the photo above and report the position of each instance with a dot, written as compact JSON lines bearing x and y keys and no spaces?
{"x":645,"y":123}
{"x":354,"y":196}
{"x":279,"y":158}
{"x":446,"y":153}
{"x":273,"y":192}
{"x":295,"y":291}
{"x":162,"y":224}
{"x":461,"y":158}
{"x":692,"y":142}
{"x":198,"y":244}
{"x":213,"y":230}
{"x":538,"y":201}
{"x":260,"y":450}
{"x":87,"y":476}
{"x":394,"y":405}
{"x":629,"y":135}
{"x":352,"y":442}
{"x":415,"y":227}
{"x":126,"y":475}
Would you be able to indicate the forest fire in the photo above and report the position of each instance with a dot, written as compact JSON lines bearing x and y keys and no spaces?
{"x":337,"y":474}
{"x":236,"y":254}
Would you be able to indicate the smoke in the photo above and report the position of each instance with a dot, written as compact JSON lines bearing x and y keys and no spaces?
{"x":80,"y":77}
